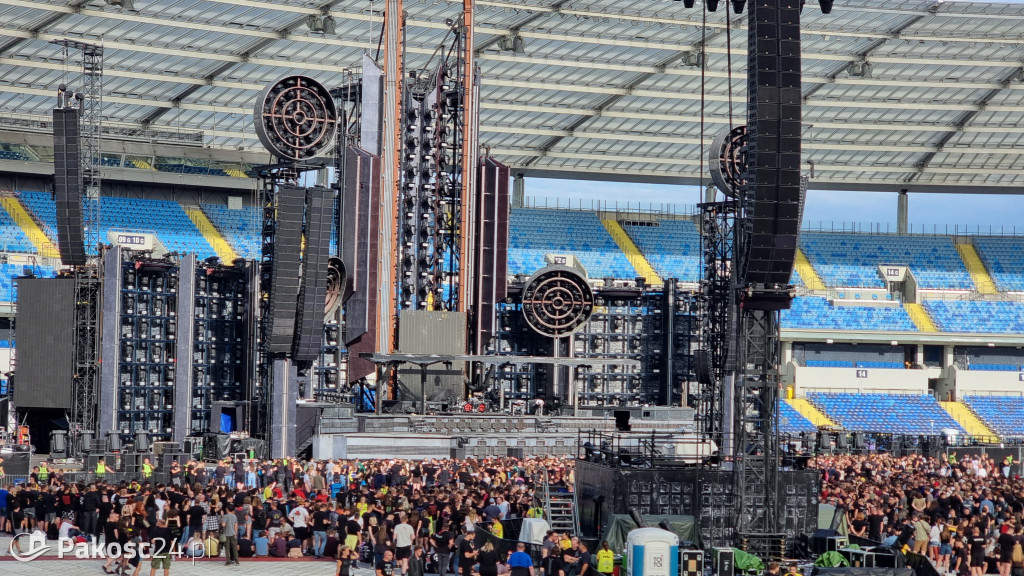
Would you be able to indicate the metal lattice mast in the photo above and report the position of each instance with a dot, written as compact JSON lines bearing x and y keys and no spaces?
{"x":85,"y":380}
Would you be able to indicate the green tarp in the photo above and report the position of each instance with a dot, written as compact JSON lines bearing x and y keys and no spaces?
{"x":619,"y":525}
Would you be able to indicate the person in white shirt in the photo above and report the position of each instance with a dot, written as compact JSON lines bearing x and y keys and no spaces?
{"x":300,"y":521}
{"x":404,"y":534}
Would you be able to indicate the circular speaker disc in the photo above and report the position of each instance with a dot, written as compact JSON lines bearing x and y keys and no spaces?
{"x":557,"y":301}
{"x":728,"y":160}
{"x":296,"y":118}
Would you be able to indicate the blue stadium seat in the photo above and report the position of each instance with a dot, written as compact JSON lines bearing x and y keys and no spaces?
{"x":793,"y":422}
{"x":885,"y":413}
{"x":672,"y":247}
{"x":12,"y":237}
{"x":1003,"y":414}
{"x":165,"y":218}
{"x":977,"y":316}
{"x":812,"y":312}
{"x":9,"y":271}
{"x":534,"y":232}
{"x":852,"y":260}
{"x":995,"y":367}
{"x":241,"y":228}
{"x":1002,"y":258}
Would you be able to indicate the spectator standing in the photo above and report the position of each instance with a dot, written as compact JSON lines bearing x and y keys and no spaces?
{"x":386,"y":565}
{"x":321,"y":521}
{"x":467,"y":554}
{"x":404,"y":534}
{"x":488,"y":559}
{"x":229,"y":534}
{"x":520,"y":563}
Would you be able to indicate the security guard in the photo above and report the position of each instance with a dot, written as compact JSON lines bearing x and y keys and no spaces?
{"x":147,"y":469}
{"x":101,"y":469}
{"x":44,"y":473}
{"x":605,"y":559}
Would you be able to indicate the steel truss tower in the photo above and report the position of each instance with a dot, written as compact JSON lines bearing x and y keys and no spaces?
{"x":85,"y":382}
{"x":437,"y":168}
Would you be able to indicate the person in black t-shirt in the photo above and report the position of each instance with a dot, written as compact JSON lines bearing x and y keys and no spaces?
{"x":246,"y":548}
{"x":467,"y":554}
{"x":442,"y":542}
{"x":386,"y":566}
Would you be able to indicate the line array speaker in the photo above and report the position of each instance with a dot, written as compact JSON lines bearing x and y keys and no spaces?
{"x":362,"y":211}
{"x":491,"y":248}
{"x":284,"y":283}
{"x":773,"y":156}
{"x":67,"y":175}
{"x":309,"y":326}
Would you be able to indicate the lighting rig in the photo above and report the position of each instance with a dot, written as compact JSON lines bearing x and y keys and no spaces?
{"x":432,"y":196}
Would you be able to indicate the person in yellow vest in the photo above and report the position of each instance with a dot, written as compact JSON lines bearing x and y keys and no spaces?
{"x":535,"y":512}
{"x":147,"y":469}
{"x":44,"y":474}
{"x":605,"y":559}
{"x":101,"y":469}
{"x":497,"y":529}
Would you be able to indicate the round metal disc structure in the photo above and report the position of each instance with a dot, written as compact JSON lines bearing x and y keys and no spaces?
{"x":296,"y":118}
{"x":728,"y":160}
{"x":557,"y":301}
{"x":336,"y":287}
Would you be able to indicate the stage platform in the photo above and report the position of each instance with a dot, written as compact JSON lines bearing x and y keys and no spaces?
{"x":476,"y":435}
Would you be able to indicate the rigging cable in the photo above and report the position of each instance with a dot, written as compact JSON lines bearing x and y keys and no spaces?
{"x":703,"y":69}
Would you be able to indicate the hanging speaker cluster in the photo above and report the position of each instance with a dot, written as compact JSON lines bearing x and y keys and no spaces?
{"x":557,"y":301}
{"x":296,"y":118}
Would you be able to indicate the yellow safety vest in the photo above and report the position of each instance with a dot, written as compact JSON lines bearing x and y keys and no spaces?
{"x":44,"y":473}
{"x":497,"y":529}
{"x":147,"y":470}
{"x":101,"y":467}
{"x":605,"y":561}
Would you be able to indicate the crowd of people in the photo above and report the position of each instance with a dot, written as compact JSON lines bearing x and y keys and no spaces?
{"x":965,"y":515}
{"x":408,"y":517}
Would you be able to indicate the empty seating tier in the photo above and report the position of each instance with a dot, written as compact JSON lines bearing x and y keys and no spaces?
{"x":980,"y":316}
{"x":885,"y":413}
{"x":239,"y":227}
{"x":793,"y":422}
{"x":671,"y":246}
{"x":12,"y":237}
{"x":534,"y":232}
{"x":165,"y":218}
{"x":815,"y":313}
{"x":852,"y":260}
{"x":1002,"y":257}
{"x":1003,"y":414}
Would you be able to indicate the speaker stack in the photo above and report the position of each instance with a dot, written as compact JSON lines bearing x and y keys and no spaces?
{"x":284,"y":282}
{"x":774,"y":124}
{"x":67,"y":175}
{"x":309,"y":326}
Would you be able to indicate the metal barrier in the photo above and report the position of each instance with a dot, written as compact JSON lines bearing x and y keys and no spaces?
{"x":646,"y":450}
{"x":502,"y":546}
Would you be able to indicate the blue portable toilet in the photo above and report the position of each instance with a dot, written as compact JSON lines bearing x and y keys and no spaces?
{"x":651,"y":552}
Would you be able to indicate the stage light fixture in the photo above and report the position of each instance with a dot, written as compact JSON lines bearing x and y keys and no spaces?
{"x":712,"y":5}
{"x":329,"y":25}
{"x":688,"y":3}
{"x":738,"y":5}
{"x":826,"y":6}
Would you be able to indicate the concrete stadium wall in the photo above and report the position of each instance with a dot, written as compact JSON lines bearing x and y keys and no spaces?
{"x":875,"y":380}
{"x":985,"y":382}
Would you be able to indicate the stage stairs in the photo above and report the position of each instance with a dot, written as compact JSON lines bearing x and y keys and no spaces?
{"x":560,"y":509}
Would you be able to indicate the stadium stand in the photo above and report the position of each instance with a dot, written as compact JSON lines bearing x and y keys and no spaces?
{"x":813,"y":312}
{"x":10,"y":271}
{"x":793,"y":422}
{"x":239,"y":227}
{"x":164,"y":218}
{"x":12,"y":155}
{"x":534,"y":232}
{"x":12,"y":237}
{"x":852,"y":260}
{"x":885,"y":413}
{"x":1003,"y":414}
{"x":671,"y":246}
{"x":1002,"y":258}
{"x":977,"y":316}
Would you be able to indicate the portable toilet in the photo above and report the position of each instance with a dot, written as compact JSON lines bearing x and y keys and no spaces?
{"x":651,"y":552}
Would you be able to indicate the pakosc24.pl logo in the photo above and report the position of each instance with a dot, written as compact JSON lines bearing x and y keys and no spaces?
{"x":28,"y":547}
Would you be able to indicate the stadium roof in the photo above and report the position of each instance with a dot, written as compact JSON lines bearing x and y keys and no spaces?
{"x":924,"y":95}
